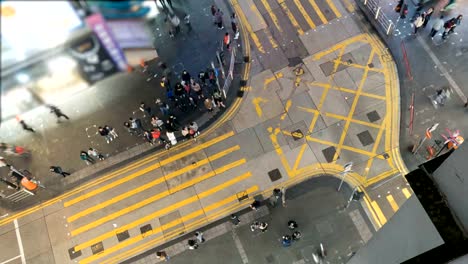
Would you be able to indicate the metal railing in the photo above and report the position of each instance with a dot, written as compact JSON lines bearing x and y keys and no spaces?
{"x":373,"y":6}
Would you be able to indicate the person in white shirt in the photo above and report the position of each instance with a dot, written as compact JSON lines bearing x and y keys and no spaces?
{"x":437,"y":26}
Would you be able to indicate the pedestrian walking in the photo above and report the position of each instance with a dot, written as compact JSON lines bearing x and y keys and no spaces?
{"x":449,"y":24}
{"x":112,"y":131}
{"x":175,"y":22}
{"x":187,"y":22}
{"x":105,"y":133}
{"x":437,"y":26}
{"x":292,"y":224}
{"x":234,"y":26}
{"x":86,"y":158}
{"x":218,"y":16}
{"x":58,"y":170}
{"x":227,"y":40}
{"x":255,"y":205}
{"x":296,"y":235}
{"x":145,"y":109}
{"x":92,"y":152}
{"x":186,"y":76}
{"x":192,"y":244}
{"x":169,"y":27}
{"x":129,"y":128}
{"x":263,"y":227}
{"x":136,"y":125}
{"x":162,"y":255}
{"x":199,"y":237}
{"x":218,"y":98}
{"x":26,"y":126}
{"x":254,"y":226}
{"x":57,"y":112}
{"x":235,"y":219}
{"x":286,"y":240}
{"x":213,"y":9}
{"x":427,"y":16}
{"x":457,"y":22}
{"x":208,"y":104}
{"x":418,"y":22}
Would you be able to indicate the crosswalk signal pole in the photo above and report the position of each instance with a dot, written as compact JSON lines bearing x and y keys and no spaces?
{"x":346,"y":168}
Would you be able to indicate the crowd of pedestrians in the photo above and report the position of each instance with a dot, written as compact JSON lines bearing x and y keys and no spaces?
{"x":421,"y":20}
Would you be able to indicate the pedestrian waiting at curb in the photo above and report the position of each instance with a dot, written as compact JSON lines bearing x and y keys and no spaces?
{"x":162,"y":255}
{"x":86,"y":158}
{"x":235,"y":219}
{"x":199,"y":237}
{"x":254,"y":226}
{"x":263,"y":226}
{"x":163,"y":106}
{"x":255,"y":205}
{"x":418,"y":23}
{"x":208,"y":104}
{"x":218,"y":17}
{"x":227,"y":40}
{"x":129,"y":128}
{"x":192,"y":244}
{"x":156,"y":122}
{"x":218,"y":98}
{"x":92,"y":152}
{"x":58,"y":170}
{"x":148,"y":137}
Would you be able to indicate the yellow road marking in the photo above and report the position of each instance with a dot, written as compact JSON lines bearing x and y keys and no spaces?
{"x":272,"y":14}
{"x":279,"y":151}
{"x":154,"y":183}
{"x":341,"y":45}
{"x":371,"y":210}
{"x":292,"y":18}
{"x":160,"y":212}
{"x":353,"y":106}
{"x":359,"y":66}
{"x":347,"y":90}
{"x":318,"y":11}
{"x":286,"y":109}
{"x":270,"y":38}
{"x":381,"y":176}
{"x":299,"y":156}
{"x":406,"y":193}
{"x":349,"y":6}
{"x":345,"y":147}
{"x":150,"y":168}
{"x":352,"y":120}
{"x":176,"y":222}
{"x":248,"y":27}
{"x":376,"y":144}
{"x":379,"y":213}
{"x":333,"y":8}
{"x":392,"y":202}
{"x":256,"y":102}
{"x":304,"y":14}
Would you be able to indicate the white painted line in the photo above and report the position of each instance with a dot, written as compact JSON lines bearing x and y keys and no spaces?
{"x":444,"y":71}
{"x":20,"y":242}
{"x":240,"y":248}
{"x":13,"y":258}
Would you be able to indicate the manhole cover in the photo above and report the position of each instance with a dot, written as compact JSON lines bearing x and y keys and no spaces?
{"x":123,"y":235}
{"x":274,"y":175}
{"x":74,"y":254}
{"x":96,"y":248}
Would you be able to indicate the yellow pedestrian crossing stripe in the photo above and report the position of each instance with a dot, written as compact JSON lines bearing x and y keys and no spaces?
{"x":163,"y":211}
{"x":406,"y":193}
{"x":392,"y":203}
{"x":272,"y":15}
{"x":291,"y":18}
{"x":318,"y":11}
{"x":304,"y":13}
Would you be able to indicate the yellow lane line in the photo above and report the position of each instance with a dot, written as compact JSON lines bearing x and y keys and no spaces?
{"x":392,"y":202}
{"x":176,"y":222}
{"x":352,"y":120}
{"x":279,"y":151}
{"x":248,"y":27}
{"x":160,"y":212}
{"x":272,"y":14}
{"x":379,"y":213}
{"x":286,"y":109}
{"x":318,"y":11}
{"x":347,"y":90}
{"x":353,"y":106}
{"x":256,"y":102}
{"x":304,"y":14}
{"x":152,"y":184}
{"x":372,"y":211}
{"x":381,"y":176}
{"x":406,"y":193}
{"x":272,"y":41}
{"x":349,"y":6}
{"x":341,"y":45}
{"x":376,"y":144}
{"x":292,"y":18}
{"x":150,"y":168}
{"x":299,"y":156}
{"x":359,"y":66}
{"x":333,"y":8}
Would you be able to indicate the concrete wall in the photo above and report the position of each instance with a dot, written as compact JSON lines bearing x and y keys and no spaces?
{"x":452,"y":180}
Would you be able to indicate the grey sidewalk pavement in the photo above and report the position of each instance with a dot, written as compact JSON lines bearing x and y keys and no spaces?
{"x":342,"y":231}
{"x":434,"y":63}
{"x":111,"y":102}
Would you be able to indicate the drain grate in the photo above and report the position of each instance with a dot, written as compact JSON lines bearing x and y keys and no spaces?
{"x":365,"y":138}
{"x":145,"y":229}
{"x":97,"y":248}
{"x":74,"y":254}
{"x":241,"y":196}
{"x":373,"y":116}
{"x":274,"y":175}
{"x":329,"y":153}
{"x":123,"y":235}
